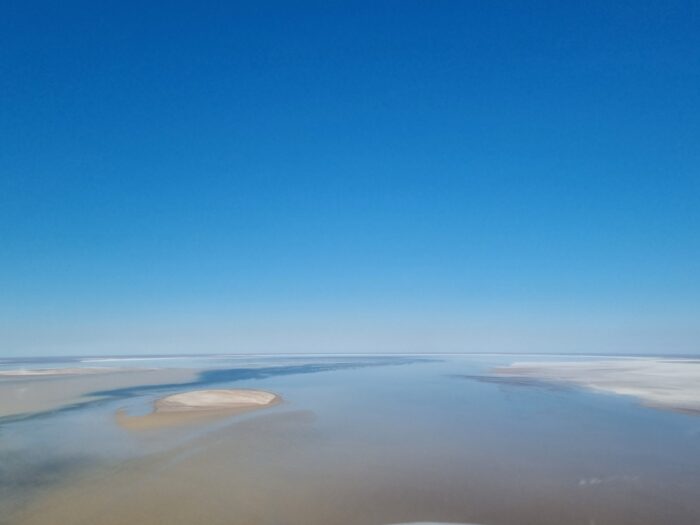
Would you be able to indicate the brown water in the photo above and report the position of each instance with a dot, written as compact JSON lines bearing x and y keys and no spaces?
{"x":373,"y":445}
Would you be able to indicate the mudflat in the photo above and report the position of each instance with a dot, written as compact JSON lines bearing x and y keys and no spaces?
{"x":28,"y":393}
{"x":672,"y":384}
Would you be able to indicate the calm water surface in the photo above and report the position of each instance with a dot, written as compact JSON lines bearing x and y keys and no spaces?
{"x":368,"y":440}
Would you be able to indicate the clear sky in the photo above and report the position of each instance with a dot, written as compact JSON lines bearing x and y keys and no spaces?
{"x":349,"y":176}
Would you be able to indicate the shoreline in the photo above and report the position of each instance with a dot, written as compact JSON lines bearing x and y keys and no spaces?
{"x":669,"y":384}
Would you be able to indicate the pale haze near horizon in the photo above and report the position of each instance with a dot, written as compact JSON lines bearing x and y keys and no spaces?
{"x":266,"y":178}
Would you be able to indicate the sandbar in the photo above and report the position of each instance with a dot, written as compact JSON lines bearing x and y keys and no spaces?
{"x":198,"y":406}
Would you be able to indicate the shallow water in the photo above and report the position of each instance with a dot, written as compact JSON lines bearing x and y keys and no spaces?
{"x":359,"y":440}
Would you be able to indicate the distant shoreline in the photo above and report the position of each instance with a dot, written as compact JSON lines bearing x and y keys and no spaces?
{"x":665,"y":383}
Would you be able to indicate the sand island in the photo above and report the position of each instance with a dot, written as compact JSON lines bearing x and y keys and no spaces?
{"x":198,"y":406}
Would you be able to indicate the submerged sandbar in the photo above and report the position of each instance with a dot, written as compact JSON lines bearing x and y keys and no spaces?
{"x":31,"y":393}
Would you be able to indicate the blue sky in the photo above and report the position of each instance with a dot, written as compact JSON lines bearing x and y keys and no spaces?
{"x":349,"y":176}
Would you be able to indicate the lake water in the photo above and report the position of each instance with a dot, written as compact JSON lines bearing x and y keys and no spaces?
{"x":358,"y":440}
